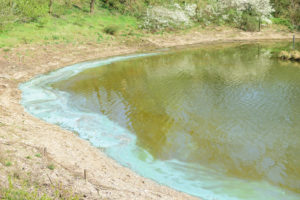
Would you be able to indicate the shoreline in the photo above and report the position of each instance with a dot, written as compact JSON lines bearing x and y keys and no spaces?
{"x":22,"y":135}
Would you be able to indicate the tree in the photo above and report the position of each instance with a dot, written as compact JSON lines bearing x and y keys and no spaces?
{"x":50,"y":6}
{"x":92,"y":5}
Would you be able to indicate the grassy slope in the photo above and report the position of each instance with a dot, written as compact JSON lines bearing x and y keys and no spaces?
{"x":74,"y":26}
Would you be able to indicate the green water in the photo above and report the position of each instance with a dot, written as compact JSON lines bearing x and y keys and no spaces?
{"x":231,"y":109}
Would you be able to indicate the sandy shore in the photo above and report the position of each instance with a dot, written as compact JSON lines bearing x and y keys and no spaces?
{"x":23,"y":137}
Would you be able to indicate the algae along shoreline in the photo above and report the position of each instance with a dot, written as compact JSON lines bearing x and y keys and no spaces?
{"x":61,"y":168}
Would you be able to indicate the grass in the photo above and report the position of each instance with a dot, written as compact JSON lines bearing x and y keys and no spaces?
{"x":51,"y":166}
{"x":38,"y":155}
{"x":12,"y":193}
{"x":8,"y":164}
{"x":72,"y":27}
{"x":27,"y":192}
{"x":111,"y":29}
{"x":281,"y":21}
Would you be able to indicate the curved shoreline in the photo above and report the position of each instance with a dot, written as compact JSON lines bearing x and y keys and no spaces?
{"x":23,"y":134}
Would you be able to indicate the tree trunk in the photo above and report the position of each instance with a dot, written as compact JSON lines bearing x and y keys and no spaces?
{"x":50,"y":6}
{"x":92,"y":5}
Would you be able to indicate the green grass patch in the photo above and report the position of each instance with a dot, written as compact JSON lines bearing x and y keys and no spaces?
{"x":26,"y":192}
{"x":12,"y":193}
{"x":38,"y":155}
{"x":75,"y":26}
{"x":8,"y":163}
{"x":111,"y":29}
{"x":281,"y":21}
{"x":51,"y":166}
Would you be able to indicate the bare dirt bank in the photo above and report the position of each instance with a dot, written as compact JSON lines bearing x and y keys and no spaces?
{"x":23,"y":137}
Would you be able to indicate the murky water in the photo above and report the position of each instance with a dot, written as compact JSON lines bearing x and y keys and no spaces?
{"x":219,"y":122}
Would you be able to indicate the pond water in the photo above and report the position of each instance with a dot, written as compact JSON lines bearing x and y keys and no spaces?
{"x":216,"y":121}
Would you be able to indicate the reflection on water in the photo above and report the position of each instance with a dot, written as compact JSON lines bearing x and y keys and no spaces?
{"x":232,"y":110}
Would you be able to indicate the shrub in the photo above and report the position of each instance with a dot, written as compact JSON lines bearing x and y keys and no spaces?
{"x":281,"y":21}
{"x":240,"y":13}
{"x":30,"y":10}
{"x":289,"y":10}
{"x":171,"y":17}
{"x":295,"y":14}
{"x":293,"y":55}
{"x":135,"y":8}
{"x":21,"y":10}
{"x":6,"y":14}
{"x":249,"y":23}
{"x":262,"y":8}
{"x":111,"y":29}
{"x":210,"y":13}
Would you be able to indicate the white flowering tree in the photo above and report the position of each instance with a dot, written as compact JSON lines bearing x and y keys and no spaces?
{"x":173,"y":16}
{"x":240,"y":12}
{"x":262,"y":8}
{"x":245,"y":13}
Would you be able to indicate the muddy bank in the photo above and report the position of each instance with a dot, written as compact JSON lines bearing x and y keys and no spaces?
{"x":23,"y":137}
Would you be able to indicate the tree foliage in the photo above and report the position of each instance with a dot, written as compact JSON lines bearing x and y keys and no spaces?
{"x":287,"y":9}
{"x":163,"y":13}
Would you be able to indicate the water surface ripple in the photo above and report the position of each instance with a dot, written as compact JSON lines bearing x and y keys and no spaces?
{"x":218,"y":122}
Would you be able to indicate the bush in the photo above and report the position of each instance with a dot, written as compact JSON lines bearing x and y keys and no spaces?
{"x":245,"y":14}
{"x":289,"y":10}
{"x":292,"y":55}
{"x":249,"y":23}
{"x":240,"y":13}
{"x":135,"y":8}
{"x":262,"y":8}
{"x":31,"y":10}
{"x":295,"y":14}
{"x":21,"y":10}
{"x":283,"y":22}
{"x":171,"y":17}
{"x":210,"y":13}
{"x":111,"y":29}
{"x":6,"y":14}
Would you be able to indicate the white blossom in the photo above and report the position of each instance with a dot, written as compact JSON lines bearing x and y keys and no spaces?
{"x":160,"y":17}
{"x":262,"y":7}
{"x":176,"y":15}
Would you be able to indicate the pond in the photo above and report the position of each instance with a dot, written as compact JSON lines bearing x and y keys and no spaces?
{"x":215,"y":121}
